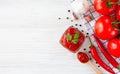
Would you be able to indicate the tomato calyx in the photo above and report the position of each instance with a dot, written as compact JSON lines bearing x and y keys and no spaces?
{"x":73,"y":39}
{"x":109,"y":3}
{"x":114,"y":24}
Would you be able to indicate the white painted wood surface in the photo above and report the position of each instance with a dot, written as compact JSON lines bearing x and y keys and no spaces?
{"x":29,"y":38}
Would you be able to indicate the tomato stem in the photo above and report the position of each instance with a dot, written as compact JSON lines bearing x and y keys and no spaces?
{"x":114,"y":24}
{"x":109,"y":3}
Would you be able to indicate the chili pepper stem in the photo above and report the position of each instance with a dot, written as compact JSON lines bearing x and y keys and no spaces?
{"x":118,"y":68}
{"x":91,"y":44}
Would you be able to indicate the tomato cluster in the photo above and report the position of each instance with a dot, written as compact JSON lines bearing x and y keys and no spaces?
{"x":107,"y":27}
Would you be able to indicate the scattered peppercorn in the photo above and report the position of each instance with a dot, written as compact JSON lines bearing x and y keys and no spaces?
{"x":82,"y":30}
{"x":84,"y":49}
{"x":76,"y":24}
{"x":71,"y":20}
{"x":67,"y":18}
{"x":87,"y":33}
{"x":90,"y":58}
{"x":68,"y":10}
{"x":80,"y":25}
{"x":89,"y":51}
{"x":59,"y":18}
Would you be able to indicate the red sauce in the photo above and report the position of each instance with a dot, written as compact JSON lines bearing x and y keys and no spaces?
{"x":73,"y":47}
{"x":82,"y":57}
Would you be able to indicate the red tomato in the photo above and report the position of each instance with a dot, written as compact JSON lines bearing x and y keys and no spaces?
{"x":118,"y":13}
{"x":104,"y":7}
{"x":72,"y":39}
{"x":104,"y":29}
{"x":114,"y":47}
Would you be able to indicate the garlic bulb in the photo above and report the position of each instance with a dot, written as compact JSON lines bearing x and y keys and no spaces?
{"x":80,"y":6}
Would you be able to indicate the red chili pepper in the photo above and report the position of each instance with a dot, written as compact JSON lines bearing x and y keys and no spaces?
{"x":98,"y":59}
{"x":106,"y":54}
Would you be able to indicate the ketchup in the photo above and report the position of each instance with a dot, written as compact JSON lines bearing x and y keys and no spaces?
{"x":72,"y":39}
{"x":82,"y":57}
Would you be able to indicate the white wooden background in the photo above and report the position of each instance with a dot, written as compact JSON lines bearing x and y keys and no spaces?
{"x":29,"y":38}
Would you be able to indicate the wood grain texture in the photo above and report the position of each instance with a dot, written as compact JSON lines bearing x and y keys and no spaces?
{"x":29,"y":38}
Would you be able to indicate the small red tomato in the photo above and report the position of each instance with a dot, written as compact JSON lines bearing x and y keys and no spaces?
{"x":118,"y":13}
{"x":114,"y":47}
{"x":105,"y":7}
{"x":105,"y":28}
{"x":82,"y":57}
{"x":72,"y":39}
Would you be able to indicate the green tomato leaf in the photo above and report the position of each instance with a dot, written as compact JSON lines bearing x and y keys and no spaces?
{"x":69,"y":37}
{"x":75,"y":41}
{"x":77,"y":35}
